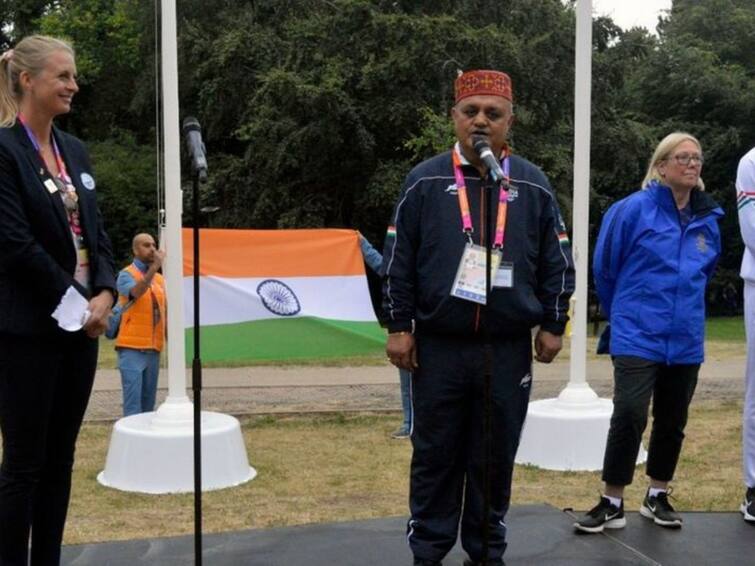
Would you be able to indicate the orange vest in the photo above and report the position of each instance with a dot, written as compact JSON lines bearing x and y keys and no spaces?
{"x":138,"y":330}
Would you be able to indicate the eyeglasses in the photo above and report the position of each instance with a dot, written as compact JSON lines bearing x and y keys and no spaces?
{"x":687,"y":158}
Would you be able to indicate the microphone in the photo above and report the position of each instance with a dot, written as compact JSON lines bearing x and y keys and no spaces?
{"x":195,"y":147}
{"x":482,"y":149}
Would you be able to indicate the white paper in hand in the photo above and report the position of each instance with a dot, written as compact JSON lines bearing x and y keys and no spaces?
{"x":73,"y":311}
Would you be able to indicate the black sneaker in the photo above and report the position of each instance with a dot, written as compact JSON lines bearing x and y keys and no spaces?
{"x":660,"y":510}
{"x":605,"y":515}
{"x":748,"y":505}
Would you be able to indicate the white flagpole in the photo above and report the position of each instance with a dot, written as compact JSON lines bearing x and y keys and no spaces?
{"x":177,"y":408}
{"x":569,"y":432}
{"x":153,"y":452}
{"x":578,"y":391}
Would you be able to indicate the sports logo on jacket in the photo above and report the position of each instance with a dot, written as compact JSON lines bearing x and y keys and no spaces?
{"x":451,"y":189}
{"x":561,"y":223}
{"x":526,"y":381}
{"x":702,"y":243}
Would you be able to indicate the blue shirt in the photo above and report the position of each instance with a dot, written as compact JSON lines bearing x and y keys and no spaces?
{"x":126,"y":281}
{"x":372,"y":257}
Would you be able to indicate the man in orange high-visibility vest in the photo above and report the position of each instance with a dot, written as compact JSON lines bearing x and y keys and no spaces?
{"x":142,"y":332}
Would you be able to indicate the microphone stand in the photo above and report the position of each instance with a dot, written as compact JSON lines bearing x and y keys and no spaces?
{"x":196,"y":379}
{"x":488,"y":192}
{"x":196,"y":150}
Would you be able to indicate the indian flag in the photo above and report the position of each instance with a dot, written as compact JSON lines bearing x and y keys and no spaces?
{"x":280,"y":295}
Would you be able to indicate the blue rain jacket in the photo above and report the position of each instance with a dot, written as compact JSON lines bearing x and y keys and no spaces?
{"x":651,"y":274}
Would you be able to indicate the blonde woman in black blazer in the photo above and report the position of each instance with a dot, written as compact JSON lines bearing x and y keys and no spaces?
{"x":56,"y":290}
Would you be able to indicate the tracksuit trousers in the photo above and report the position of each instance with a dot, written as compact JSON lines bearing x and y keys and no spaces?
{"x":748,"y":413}
{"x":448,"y":460}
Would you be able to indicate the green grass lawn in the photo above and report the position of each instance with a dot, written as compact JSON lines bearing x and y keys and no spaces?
{"x":107,"y":358}
{"x":325,"y":468}
{"x":725,"y":329}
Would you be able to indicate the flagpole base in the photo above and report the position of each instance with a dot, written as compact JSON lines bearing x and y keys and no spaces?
{"x":568,"y":433}
{"x":174,"y":412}
{"x":148,"y":456}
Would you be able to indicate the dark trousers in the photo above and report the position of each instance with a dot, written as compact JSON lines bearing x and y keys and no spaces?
{"x":448,"y":459}
{"x":45,"y":382}
{"x":635,"y":381}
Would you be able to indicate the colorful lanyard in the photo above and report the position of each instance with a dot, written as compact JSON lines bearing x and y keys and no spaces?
{"x":68,"y":188}
{"x":466,"y":216}
{"x":63,"y":172}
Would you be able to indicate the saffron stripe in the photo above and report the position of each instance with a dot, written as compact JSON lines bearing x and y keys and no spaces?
{"x":274,"y":253}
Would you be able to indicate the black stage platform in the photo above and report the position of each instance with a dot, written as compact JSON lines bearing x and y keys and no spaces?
{"x":538,"y":535}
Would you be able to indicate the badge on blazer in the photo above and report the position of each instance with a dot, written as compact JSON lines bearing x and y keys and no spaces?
{"x":51,"y":186}
{"x":88,"y":181}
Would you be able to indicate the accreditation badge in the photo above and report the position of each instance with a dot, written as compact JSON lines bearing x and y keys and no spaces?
{"x":504,"y":275}
{"x":469,"y":283}
{"x":83,"y":256}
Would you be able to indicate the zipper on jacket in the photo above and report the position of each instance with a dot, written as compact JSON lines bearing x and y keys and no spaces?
{"x":482,"y":243}
{"x":683,"y":235}
{"x":682,"y":230}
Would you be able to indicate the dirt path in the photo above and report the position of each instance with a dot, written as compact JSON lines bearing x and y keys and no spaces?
{"x":260,"y":390}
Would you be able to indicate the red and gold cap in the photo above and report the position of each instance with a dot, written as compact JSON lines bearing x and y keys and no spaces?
{"x":488,"y":82}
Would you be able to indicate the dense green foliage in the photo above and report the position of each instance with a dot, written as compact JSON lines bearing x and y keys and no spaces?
{"x":314,"y":110}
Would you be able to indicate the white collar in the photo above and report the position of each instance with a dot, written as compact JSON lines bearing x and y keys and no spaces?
{"x":463,"y":160}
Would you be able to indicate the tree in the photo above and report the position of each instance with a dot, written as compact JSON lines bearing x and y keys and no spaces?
{"x":110,"y":40}
{"x":333,"y":101}
{"x":313,"y":111}
{"x":126,"y":190}
{"x":18,"y":19}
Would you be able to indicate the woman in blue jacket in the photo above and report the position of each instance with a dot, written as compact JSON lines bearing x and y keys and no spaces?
{"x":655,"y":254}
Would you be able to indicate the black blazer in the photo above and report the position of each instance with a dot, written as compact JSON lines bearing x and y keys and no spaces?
{"x":37,"y":256}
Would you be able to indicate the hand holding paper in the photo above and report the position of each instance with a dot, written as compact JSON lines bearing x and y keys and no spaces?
{"x":99,"y":308}
{"x":73,"y":311}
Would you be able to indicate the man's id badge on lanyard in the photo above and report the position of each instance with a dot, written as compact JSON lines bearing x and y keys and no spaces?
{"x":469,"y":283}
{"x":504,"y":275}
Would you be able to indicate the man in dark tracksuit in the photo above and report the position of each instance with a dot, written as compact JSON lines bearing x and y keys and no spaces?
{"x":439,"y":335}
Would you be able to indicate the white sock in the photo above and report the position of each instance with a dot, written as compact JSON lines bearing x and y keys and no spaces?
{"x":654,"y":491}
{"x":614,"y":500}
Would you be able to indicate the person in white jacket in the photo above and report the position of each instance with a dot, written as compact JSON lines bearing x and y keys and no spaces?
{"x":746,"y":205}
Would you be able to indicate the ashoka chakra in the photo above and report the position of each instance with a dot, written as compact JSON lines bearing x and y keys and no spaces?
{"x":278,"y":297}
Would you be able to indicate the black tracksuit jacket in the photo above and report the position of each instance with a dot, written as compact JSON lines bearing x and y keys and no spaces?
{"x":420,"y":261}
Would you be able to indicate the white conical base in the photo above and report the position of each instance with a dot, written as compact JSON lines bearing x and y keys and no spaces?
{"x":568,"y":433}
{"x":149,"y":455}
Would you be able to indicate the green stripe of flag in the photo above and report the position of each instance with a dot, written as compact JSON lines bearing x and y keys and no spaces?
{"x":304,"y":338}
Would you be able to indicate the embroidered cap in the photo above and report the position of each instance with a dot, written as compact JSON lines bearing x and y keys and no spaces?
{"x":473,"y":83}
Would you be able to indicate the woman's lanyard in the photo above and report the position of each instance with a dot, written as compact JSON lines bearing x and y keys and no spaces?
{"x":466,"y":216}
{"x":62,"y":181}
